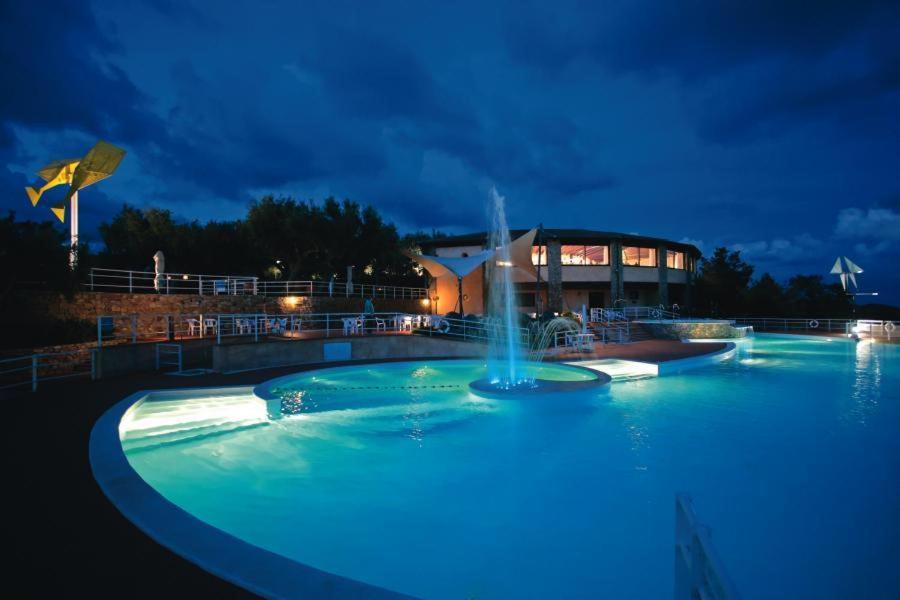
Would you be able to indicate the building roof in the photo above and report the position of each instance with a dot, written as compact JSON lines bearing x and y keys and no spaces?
{"x":566,"y":236}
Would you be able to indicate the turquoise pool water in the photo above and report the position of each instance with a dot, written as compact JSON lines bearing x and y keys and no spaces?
{"x":791,"y":451}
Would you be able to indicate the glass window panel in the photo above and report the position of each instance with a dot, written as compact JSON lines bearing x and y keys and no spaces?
{"x":675,"y":260}
{"x":572,"y":255}
{"x":539,"y":251}
{"x":633,"y":256}
{"x":596,"y":255}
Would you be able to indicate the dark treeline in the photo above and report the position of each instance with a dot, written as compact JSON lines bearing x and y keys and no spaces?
{"x":317,"y":240}
{"x":278,"y":239}
{"x":726,"y":288}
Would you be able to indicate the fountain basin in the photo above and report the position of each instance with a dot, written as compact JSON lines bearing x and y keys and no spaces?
{"x":550,"y":378}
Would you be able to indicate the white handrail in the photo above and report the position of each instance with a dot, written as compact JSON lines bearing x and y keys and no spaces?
{"x":221,"y":326}
{"x":699,"y":572}
{"x":47,"y":366}
{"x":122,"y":280}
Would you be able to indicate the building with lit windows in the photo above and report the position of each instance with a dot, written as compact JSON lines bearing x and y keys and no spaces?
{"x":575,"y":267}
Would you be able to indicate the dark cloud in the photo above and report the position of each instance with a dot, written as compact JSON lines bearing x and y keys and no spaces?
{"x":753,"y":68}
{"x":56,"y":76}
{"x":721,"y":121}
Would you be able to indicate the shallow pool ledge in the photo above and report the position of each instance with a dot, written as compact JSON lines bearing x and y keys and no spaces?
{"x":682,"y":364}
{"x":252,"y":568}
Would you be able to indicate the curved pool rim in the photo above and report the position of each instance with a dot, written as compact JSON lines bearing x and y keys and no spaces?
{"x":264,"y":390}
{"x":221,"y":554}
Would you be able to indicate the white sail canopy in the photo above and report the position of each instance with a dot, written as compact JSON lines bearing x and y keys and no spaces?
{"x":456,"y":266}
{"x":846,"y":269}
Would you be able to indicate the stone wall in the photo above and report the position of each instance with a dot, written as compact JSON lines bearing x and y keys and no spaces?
{"x":277,"y":353}
{"x":697,"y":330}
{"x":89,"y":305}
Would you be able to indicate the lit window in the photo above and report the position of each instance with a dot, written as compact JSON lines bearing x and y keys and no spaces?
{"x":572,"y":255}
{"x":675,"y":260}
{"x":596,"y":255}
{"x":632,"y":256}
{"x":539,"y":251}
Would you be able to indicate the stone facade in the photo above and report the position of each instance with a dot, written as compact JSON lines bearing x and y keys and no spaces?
{"x":151,"y":309}
{"x":697,"y":330}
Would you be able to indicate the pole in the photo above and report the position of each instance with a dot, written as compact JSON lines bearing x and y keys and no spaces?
{"x":537,"y":287}
{"x":459,"y":284}
{"x":73,"y":231}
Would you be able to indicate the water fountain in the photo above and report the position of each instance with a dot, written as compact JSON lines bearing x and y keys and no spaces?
{"x":509,"y":371}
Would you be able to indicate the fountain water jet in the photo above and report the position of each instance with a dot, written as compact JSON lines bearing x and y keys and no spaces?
{"x":504,"y":352}
{"x":509,"y":372}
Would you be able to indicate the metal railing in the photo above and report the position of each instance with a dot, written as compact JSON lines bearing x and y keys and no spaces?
{"x":868,"y":328}
{"x":219,"y":327}
{"x":169,"y":355}
{"x":339,"y":289}
{"x":624,"y":313}
{"x":31,"y":369}
{"x":699,"y":572}
{"x":119,"y":280}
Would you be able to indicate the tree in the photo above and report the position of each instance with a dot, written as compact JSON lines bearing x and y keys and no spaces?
{"x":765,"y":298}
{"x":34,"y":255}
{"x":808,"y":296}
{"x":722,"y":283}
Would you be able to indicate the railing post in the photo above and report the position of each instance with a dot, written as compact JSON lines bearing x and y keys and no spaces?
{"x":99,"y":331}
{"x":130,"y":282}
{"x":93,"y":364}
{"x":133,"y":329}
{"x":92,"y":280}
{"x":200,"y":283}
{"x":327,"y":324}
{"x":34,"y":372}
{"x":256,"y":328}
{"x":219,"y":331}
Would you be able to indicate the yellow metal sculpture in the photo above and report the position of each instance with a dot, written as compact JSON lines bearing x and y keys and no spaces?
{"x":99,"y":163}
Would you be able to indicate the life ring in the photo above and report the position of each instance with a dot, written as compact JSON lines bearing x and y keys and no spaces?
{"x":813,"y":324}
{"x":442,"y":326}
{"x":890,"y":327}
{"x":655,"y":313}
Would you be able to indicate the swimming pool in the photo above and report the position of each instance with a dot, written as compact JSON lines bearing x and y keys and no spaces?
{"x":396,"y":475}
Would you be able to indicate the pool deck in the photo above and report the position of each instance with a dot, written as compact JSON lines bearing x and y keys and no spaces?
{"x":655,"y":351}
{"x":66,"y":536}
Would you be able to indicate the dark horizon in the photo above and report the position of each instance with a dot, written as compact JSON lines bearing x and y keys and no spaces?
{"x":769,"y":128}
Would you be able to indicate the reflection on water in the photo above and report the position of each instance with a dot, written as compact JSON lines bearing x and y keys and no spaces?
{"x":866,"y":381}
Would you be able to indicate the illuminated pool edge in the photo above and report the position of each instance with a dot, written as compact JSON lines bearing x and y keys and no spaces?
{"x":223,"y":555}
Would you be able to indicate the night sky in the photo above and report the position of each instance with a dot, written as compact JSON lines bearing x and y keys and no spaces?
{"x":768,"y":126}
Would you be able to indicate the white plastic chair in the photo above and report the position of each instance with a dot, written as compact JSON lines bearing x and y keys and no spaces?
{"x":193,"y":326}
{"x":242,"y":325}
{"x":380,"y":324}
{"x":349,"y":326}
{"x":210,"y":324}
